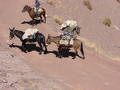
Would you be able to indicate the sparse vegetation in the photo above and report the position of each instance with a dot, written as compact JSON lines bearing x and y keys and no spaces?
{"x":51,"y":2}
{"x":114,"y":27}
{"x":54,"y":2}
{"x":118,"y":1}
{"x":88,"y":4}
{"x":107,"y":22}
{"x":58,"y":20}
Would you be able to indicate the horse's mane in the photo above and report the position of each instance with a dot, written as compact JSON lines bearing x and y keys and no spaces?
{"x":19,"y":31}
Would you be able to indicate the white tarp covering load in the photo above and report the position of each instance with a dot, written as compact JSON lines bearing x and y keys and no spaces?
{"x":70,"y":23}
{"x":29,"y":32}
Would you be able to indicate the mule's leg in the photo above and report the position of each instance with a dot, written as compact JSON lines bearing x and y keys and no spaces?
{"x":24,"y":46}
{"x":76,"y":52}
{"x":44,"y":44}
{"x":59,"y":52}
{"x":41,"y":48}
{"x":82,"y":51}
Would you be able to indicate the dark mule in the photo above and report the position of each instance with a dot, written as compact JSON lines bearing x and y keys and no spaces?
{"x":40,"y":38}
{"x":33,"y":14}
{"x":76,"y":45}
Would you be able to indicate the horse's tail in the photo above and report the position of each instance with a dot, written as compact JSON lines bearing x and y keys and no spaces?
{"x":82,"y":51}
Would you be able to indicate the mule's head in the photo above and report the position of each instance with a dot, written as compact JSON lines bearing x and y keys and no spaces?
{"x":11,"y":35}
{"x":77,"y":30}
{"x":25,"y":8}
{"x":48,"y":40}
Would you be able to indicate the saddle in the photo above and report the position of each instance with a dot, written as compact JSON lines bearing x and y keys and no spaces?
{"x":68,"y":37}
{"x":66,"y":42}
{"x":38,"y":11}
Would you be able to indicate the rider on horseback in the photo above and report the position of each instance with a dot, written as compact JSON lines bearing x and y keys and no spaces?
{"x":37,"y":5}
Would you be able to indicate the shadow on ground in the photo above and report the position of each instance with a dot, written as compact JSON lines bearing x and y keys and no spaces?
{"x":65,"y":53}
{"x":31,"y":22}
{"x":29,"y":48}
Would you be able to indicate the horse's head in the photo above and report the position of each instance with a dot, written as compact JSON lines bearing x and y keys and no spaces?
{"x":25,"y":8}
{"x":48,"y":39}
{"x":11,"y":35}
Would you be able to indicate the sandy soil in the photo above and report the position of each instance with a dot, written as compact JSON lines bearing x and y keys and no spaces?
{"x":31,"y":71}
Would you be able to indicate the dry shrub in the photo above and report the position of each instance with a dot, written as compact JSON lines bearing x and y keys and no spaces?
{"x":107,"y":22}
{"x":54,"y":2}
{"x":51,"y":2}
{"x":114,"y":27}
{"x":98,"y":49}
{"x":91,"y":44}
{"x":58,"y":20}
{"x":118,"y":1}
{"x":88,"y":4}
{"x":43,"y":1}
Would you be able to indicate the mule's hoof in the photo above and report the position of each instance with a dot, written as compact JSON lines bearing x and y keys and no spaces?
{"x":60,"y":56}
{"x":73,"y":57}
{"x":40,"y":53}
{"x":83,"y":58}
{"x":25,"y":51}
{"x":45,"y":52}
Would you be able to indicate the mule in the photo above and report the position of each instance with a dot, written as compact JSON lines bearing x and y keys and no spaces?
{"x":33,"y":14}
{"x":38,"y":37}
{"x":76,"y":45}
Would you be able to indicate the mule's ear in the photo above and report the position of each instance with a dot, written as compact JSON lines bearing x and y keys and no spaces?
{"x":10,"y":29}
{"x":13,"y":28}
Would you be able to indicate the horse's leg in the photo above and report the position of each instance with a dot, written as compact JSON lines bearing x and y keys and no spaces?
{"x":33,"y":22}
{"x":44,"y":15}
{"x":82,"y":51}
{"x":41,"y":18}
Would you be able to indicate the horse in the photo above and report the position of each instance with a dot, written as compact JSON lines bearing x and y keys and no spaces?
{"x":76,"y":45}
{"x":33,"y":14}
{"x":39,"y":38}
